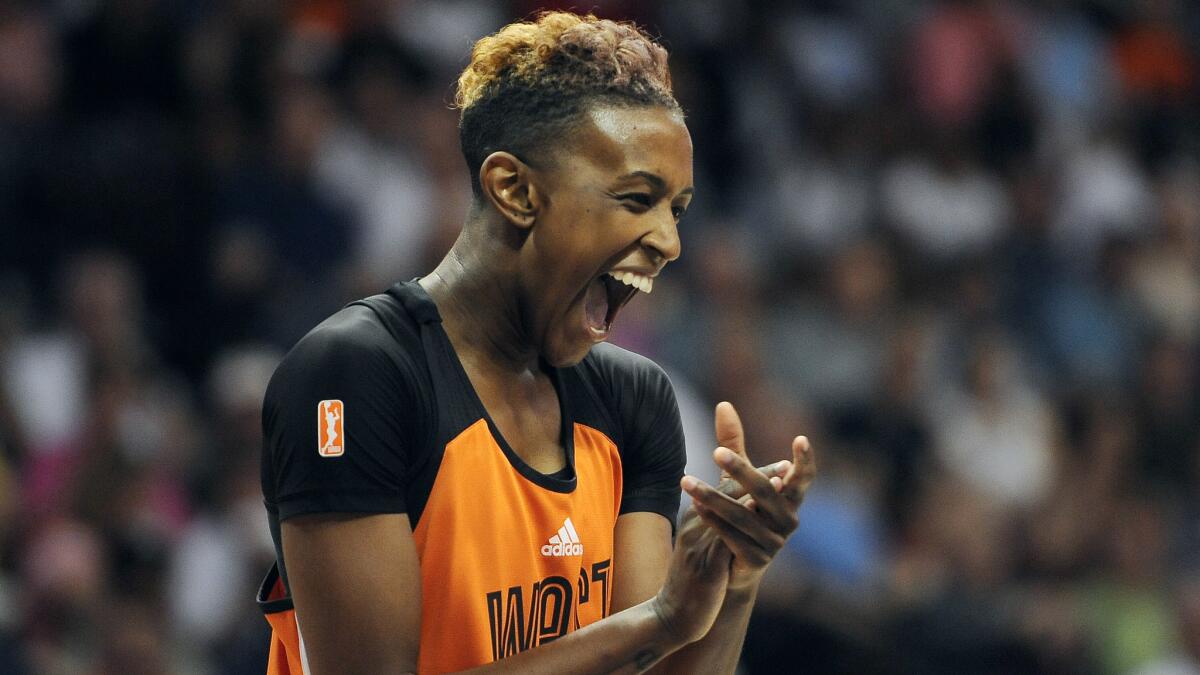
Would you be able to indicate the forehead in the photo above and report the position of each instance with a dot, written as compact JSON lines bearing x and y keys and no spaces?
{"x":622,"y":140}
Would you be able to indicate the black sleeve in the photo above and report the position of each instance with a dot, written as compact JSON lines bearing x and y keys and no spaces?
{"x":353,"y":359}
{"x":654,"y":454}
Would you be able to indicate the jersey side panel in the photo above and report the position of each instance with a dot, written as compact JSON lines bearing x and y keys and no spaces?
{"x":598,"y":464}
{"x":597,"y":455}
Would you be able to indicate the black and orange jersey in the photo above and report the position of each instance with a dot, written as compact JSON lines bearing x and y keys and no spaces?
{"x":372,"y":412}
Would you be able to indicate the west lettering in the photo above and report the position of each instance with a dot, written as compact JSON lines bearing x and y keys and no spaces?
{"x":518,"y":622}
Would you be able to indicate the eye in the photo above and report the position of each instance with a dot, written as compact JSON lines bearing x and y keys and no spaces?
{"x":641,"y":200}
{"x":678,"y":211}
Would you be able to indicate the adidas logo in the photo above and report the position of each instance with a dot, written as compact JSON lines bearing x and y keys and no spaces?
{"x":565,"y":543}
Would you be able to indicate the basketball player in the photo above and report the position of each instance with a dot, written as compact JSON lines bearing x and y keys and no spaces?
{"x":460,"y":473}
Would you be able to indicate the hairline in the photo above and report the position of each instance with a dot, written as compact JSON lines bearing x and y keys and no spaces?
{"x":555,"y":143}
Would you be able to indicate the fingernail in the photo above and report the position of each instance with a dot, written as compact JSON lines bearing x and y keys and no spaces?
{"x":724,"y":455}
{"x":689,"y":483}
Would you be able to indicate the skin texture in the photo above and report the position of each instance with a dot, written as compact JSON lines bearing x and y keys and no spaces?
{"x":510,"y":291}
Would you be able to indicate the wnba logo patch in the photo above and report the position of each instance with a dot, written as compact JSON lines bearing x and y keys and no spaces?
{"x":331,"y":441}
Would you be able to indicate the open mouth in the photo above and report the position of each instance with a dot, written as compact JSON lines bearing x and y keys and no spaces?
{"x":608,"y":293}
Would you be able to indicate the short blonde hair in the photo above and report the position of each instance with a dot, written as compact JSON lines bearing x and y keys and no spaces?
{"x":531,"y":79}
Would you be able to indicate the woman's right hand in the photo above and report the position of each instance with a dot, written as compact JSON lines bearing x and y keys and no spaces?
{"x":694,"y":590}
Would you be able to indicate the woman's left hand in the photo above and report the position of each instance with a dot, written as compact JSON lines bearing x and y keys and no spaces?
{"x":754,"y":511}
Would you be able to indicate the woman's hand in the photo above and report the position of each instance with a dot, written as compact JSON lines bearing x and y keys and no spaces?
{"x":691,"y":596}
{"x":753,"y":511}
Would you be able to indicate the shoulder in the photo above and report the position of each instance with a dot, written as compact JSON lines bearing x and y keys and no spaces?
{"x":373,"y":329}
{"x":631,"y":392}
{"x":349,"y":389}
{"x":648,"y":431}
{"x":622,"y":373}
{"x":370,"y":341}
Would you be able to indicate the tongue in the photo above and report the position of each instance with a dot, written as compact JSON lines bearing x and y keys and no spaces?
{"x":596,"y":305}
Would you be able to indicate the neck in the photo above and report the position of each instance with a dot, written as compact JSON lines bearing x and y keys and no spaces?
{"x":476,"y":295}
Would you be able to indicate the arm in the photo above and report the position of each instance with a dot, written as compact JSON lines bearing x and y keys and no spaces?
{"x":355,"y":581}
{"x":641,"y":552}
{"x":356,"y":585}
{"x":753,"y":512}
{"x":719,"y":650}
{"x":753,"y":530}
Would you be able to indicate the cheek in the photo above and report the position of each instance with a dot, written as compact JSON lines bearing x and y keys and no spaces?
{"x":577,"y":240}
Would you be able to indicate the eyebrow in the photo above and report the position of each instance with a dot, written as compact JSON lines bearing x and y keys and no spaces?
{"x":656,"y":181}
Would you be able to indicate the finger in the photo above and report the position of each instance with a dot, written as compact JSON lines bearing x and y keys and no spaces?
{"x":803,"y":471}
{"x":728,"y":426}
{"x":742,"y":546}
{"x":775,"y":507}
{"x":740,"y":470}
{"x":774,"y":472}
{"x":752,"y":523}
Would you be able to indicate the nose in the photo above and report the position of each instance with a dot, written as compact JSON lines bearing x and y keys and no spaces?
{"x":663,"y":240}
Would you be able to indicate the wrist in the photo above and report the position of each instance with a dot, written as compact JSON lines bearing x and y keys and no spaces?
{"x":744,"y":586}
{"x":667,"y":628}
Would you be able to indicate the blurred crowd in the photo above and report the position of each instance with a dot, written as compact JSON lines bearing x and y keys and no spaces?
{"x":957,"y":243}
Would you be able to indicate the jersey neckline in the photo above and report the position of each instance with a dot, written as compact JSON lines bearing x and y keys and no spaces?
{"x":552,"y":481}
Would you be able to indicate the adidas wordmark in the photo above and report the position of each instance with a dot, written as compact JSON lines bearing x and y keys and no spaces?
{"x":565,"y":543}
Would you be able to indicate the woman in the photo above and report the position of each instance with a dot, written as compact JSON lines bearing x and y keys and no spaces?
{"x":489,"y":486}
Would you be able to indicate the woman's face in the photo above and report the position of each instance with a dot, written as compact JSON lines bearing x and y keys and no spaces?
{"x":611,"y":200}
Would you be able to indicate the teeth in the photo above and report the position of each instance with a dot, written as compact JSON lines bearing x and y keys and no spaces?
{"x":639,"y":281}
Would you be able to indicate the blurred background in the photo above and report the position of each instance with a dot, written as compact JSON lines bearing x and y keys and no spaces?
{"x":956,"y":243}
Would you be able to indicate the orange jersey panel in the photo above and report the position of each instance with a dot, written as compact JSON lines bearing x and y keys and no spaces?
{"x":286,"y":655}
{"x":506,"y":564}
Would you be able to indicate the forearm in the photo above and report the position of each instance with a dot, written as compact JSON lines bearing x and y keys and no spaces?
{"x":719,"y":650}
{"x":630,"y":641}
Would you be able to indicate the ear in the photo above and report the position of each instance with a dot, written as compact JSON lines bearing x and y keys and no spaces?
{"x":507,"y":183}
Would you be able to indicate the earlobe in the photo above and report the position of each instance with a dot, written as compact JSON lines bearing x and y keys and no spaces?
{"x":506,"y":181}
